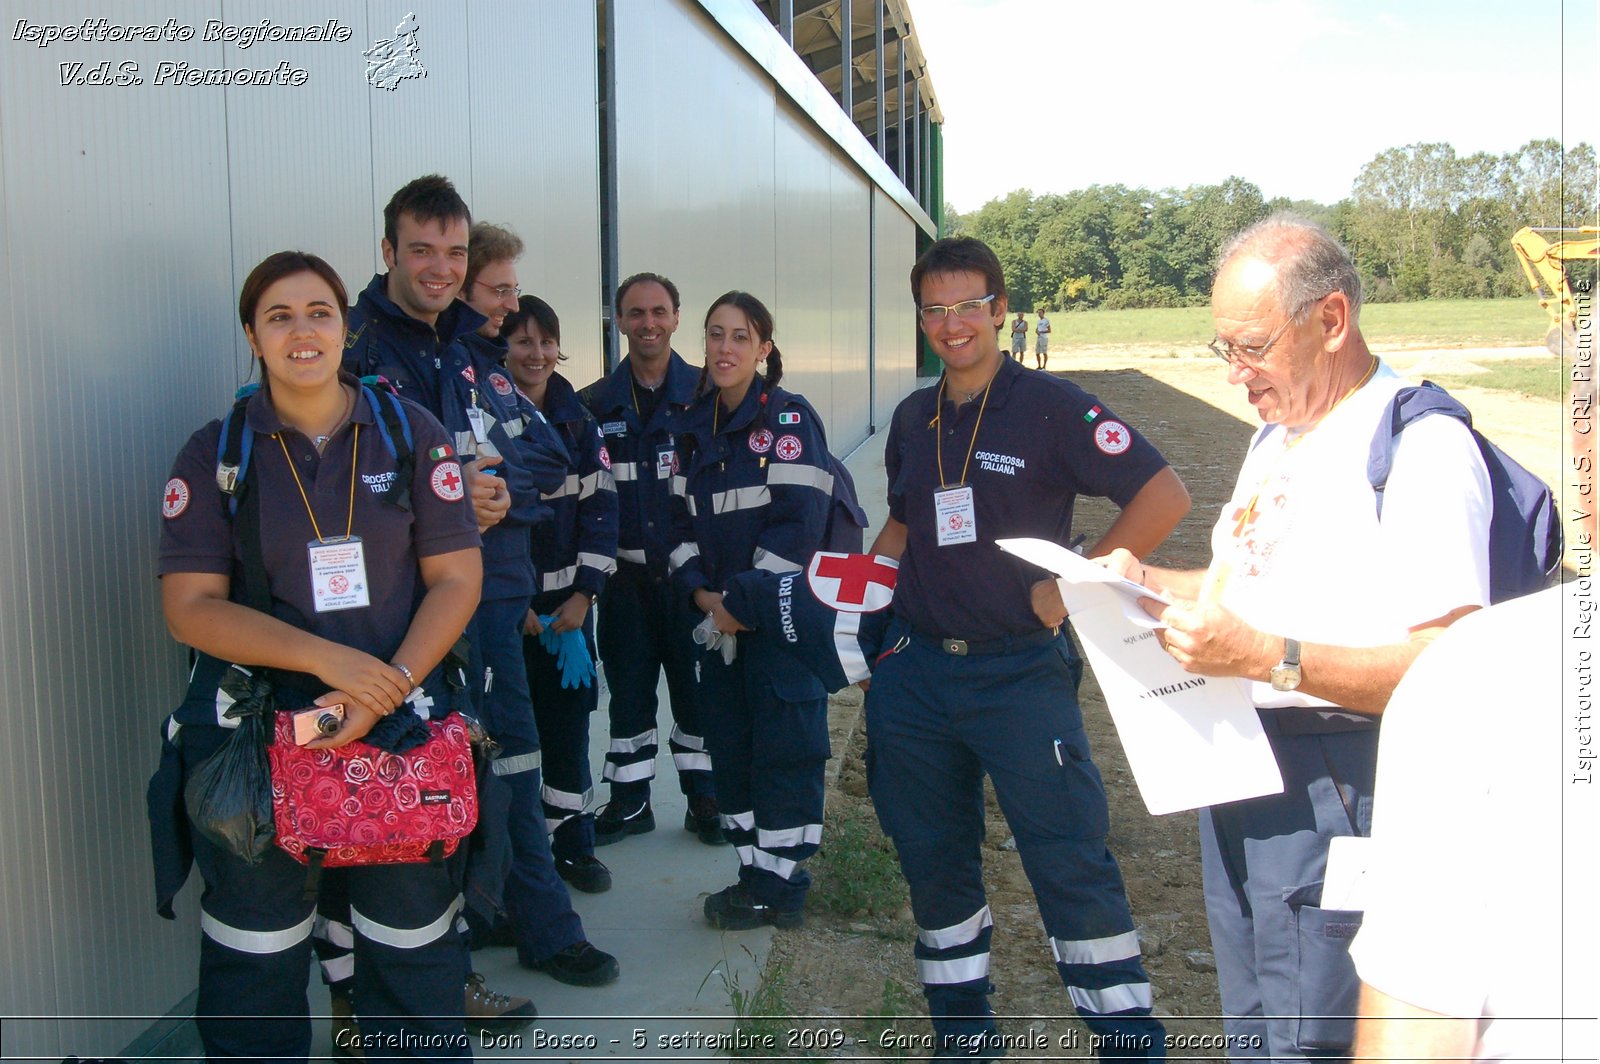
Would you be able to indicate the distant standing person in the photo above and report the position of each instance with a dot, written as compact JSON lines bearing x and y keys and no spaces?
{"x":1019,"y":336}
{"x":1041,"y":342}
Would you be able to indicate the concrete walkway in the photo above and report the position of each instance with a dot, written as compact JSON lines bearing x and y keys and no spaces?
{"x":673,"y":1000}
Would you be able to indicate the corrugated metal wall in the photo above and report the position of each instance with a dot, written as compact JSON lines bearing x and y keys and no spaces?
{"x":751,"y":194}
{"x":130,"y":216}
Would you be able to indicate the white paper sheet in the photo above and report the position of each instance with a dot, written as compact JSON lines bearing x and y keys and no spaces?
{"x":1191,"y":740}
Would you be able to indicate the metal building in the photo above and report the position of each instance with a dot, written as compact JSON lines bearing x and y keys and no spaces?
{"x":151,"y":153}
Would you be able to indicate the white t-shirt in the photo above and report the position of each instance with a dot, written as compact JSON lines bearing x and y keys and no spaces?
{"x":1299,"y":550}
{"x":1465,"y":868}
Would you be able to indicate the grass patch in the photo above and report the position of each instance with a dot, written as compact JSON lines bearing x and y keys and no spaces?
{"x":1537,"y":378}
{"x":1432,"y":322}
{"x":763,"y":1014}
{"x":855,"y":870}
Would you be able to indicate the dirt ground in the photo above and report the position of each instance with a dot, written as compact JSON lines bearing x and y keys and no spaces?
{"x":843,"y":969}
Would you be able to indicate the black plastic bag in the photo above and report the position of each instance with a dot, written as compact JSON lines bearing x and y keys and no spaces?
{"x":229,"y":795}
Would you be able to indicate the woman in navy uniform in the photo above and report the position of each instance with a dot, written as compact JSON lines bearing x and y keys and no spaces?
{"x":320,"y":471}
{"x":573,"y":556}
{"x":753,"y":492}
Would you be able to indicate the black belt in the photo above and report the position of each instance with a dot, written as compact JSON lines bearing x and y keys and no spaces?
{"x":1002,"y":645}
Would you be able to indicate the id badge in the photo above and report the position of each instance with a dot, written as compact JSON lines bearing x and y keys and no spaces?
{"x":338,"y":574}
{"x":665,"y":463}
{"x":480,"y":431}
{"x":956,"y":520}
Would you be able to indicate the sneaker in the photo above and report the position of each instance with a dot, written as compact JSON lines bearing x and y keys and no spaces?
{"x":346,"y":1032}
{"x":732,"y":909}
{"x":585,"y":873}
{"x":580,"y":964}
{"x":487,"y":1011}
{"x":704,"y":820}
{"x":614,"y":823}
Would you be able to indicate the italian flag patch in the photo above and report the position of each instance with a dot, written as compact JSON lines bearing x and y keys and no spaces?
{"x":789,"y":417}
{"x":1094,"y":412}
{"x":439,"y":454}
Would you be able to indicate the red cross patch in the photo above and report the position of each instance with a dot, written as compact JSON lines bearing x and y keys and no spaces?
{"x":174,"y":498}
{"x":852,"y":583}
{"x":446,"y":482}
{"x":788,"y":448}
{"x":470,"y":374}
{"x":761,"y":442}
{"x":605,"y":456}
{"x":501,"y":384}
{"x":1112,"y":437}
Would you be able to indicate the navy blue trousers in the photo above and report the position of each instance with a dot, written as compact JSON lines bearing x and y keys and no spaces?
{"x":644,"y":630}
{"x":533,"y":895}
{"x":936,"y":724}
{"x":1288,"y":985}
{"x":767,"y":727}
{"x":255,"y":947}
{"x":563,"y":717}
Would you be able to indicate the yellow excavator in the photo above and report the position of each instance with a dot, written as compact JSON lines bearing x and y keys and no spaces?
{"x":1544,"y":255}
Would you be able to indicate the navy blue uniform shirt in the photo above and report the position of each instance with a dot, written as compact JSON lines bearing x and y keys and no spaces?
{"x":442,"y":368}
{"x":754,"y":494}
{"x":579,"y":550}
{"x":197,"y":535}
{"x":1042,"y":442}
{"x":641,"y":456}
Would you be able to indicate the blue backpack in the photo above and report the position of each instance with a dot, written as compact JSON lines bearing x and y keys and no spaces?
{"x":1525,"y":543}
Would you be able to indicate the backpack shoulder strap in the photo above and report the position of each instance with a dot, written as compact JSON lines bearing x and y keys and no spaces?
{"x":234,"y":446}
{"x":1408,"y":405}
{"x":394,"y":428}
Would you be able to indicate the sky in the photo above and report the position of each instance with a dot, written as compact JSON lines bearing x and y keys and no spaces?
{"x":1292,"y":95}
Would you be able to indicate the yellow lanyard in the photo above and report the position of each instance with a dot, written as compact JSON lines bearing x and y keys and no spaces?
{"x":938,"y":432}
{"x":350,"y":518}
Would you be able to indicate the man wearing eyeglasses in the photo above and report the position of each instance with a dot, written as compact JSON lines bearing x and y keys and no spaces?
{"x":1321,"y":607}
{"x":981,"y":678}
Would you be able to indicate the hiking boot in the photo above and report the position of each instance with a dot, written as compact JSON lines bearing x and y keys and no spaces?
{"x":492,"y":1013}
{"x":346,"y":1032}
{"x":732,"y":909}
{"x":615,"y":823}
{"x":585,"y":873}
{"x":704,"y":820}
{"x":580,"y":964}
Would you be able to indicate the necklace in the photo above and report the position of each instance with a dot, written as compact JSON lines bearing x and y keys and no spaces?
{"x":321,"y":440}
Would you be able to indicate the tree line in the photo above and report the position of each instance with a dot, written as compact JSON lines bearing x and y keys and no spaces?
{"x":1421,"y":222}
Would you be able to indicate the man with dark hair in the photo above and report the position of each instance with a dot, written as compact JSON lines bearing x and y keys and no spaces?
{"x":643,"y":628}
{"x":1321,"y":607}
{"x":409,"y":326}
{"x":980,"y":678}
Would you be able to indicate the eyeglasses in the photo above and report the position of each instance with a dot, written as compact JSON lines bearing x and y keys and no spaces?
{"x":1253,"y":357}
{"x":967,"y":308}
{"x":503,"y":290}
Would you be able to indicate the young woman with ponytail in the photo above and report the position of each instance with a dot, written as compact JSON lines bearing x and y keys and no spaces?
{"x":752,"y":491}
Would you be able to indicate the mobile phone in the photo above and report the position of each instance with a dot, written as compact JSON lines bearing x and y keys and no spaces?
{"x":317,"y":722}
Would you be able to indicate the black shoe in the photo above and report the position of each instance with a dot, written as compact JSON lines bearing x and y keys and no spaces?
{"x":346,"y":1031}
{"x":732,"y":909}
{"x":496,"y":1013}
{"x":579,"y":965}
{"x":704,"y":820}
{"x":616,"y":823}
{"x":585,"y":873}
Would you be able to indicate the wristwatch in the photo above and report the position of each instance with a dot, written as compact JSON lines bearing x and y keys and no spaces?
{"x":1285,"y":674}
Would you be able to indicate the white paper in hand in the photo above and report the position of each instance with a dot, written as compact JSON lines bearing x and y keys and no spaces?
{"x":1190,"y":740}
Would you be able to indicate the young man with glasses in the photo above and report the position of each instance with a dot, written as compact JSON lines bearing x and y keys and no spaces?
{"x":982,"y":679}
{"x":1321,"y":607}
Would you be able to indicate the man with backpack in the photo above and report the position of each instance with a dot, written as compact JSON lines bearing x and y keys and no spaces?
{"x":1320,"y":603}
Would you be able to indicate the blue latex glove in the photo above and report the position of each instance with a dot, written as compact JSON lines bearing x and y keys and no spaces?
{"x":572,"y":655}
